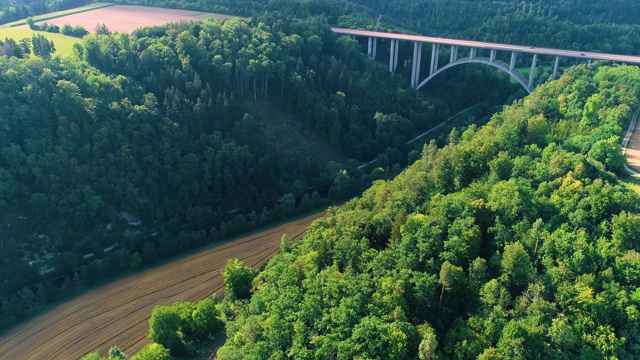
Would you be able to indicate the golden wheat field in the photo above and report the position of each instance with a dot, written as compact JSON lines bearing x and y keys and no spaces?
{"x":118,"y":313}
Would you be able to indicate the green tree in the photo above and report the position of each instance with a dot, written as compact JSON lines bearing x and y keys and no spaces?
{"x":164,"y":325}
{"x":206,"y":320}
{"x":451,"y":277}
{"x":102,"y":29}
{"x":428,"y":344}
{"x":238,"y":280}
{"x":116,"y":354}
{"x":516,"y":266}
{"x":42,"y":46}
{"x":285,"y":243}
{"x":93,"y":356}
{"x":152,"y":352}
{"x":149,"y":252}
{"x":136,"y":261}
{"x":66,"y":29}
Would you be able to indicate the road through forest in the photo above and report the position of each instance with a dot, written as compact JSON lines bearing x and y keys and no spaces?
{"x":118,"y":313}
{"x":631,"y":146}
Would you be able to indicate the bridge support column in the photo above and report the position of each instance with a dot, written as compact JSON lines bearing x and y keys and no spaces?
{"x":417,"y":58}
{"x":435,"y":51}
{"x":437,"y":56}
{"x":512,"y":65}
{"x":395,"y":58}
{"x":492,"y":57}
{"x":375,"y":48}
{"x":371,"y":48}
{"x":589,"y":62}
{"x":454,"y":54}
{"x":555,"y":68}
{"x":473,"y":53}
{"x":393,"y":55}
{"x":533,"y":70}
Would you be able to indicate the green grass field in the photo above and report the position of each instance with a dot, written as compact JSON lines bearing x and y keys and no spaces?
{"x":63,"y":44}
{"x":57,"y":14}
{"x":631,"y":183}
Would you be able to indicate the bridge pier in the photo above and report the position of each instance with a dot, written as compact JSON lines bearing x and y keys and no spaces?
{"x":371,"y":48}
{"x":435,"y":51}
{"x":473,"y":46}
{"x":454,"y":54}
{"x":417,"y":59}
{"x":533,"y":70}
{"x":375,"y":47}
{"x":393,"y":55}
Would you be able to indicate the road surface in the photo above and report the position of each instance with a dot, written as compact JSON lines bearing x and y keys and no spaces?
{"x":631,"y":146}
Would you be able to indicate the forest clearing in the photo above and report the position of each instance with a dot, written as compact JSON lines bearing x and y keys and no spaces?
{"x":118,"y":313}
{"x":63,"y":43}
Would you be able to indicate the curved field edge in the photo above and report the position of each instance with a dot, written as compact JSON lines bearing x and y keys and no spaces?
{"x":118,"y":313}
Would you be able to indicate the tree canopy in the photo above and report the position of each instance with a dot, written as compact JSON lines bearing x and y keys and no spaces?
{"x":526,"y":253}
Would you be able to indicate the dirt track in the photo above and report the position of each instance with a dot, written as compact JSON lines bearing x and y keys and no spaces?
{"x":118,"y":313}
{"x":631,"y":145}
{"x":633,"y":151}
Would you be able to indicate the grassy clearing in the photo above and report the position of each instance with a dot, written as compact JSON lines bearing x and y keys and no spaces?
{"x":57,"y":14}
{"x":631,"y":183}
{"x":291,"y":138}
{"x":63,"y":43}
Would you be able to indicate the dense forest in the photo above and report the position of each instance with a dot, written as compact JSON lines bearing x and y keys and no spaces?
{"x":140,"y":146}
{"x":514,"y":240}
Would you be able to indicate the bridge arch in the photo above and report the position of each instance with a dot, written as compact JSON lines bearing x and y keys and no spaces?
{"x":480,"y":60}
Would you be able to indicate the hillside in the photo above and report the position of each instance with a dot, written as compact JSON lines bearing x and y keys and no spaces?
{"x":140,"y":146}
{"x":137,"y":147}
{"x":514,"y":241}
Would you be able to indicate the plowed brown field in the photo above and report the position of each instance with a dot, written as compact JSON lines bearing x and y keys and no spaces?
{"x":126,"y":18}
{"x":118,"y":313}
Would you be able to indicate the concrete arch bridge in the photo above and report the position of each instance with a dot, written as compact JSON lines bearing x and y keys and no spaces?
{"x":473,"y":46}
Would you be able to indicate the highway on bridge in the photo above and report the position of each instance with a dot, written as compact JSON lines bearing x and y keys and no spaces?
{"x":492,"y":46}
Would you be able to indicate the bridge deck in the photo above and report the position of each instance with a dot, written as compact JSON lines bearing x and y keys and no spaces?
{"x":496,"y":46}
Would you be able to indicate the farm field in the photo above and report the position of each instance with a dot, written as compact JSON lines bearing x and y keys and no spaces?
{"x":118,"y":313}
{"x":126,"y":18}
{"x":56,"y":14}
